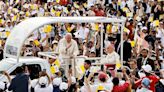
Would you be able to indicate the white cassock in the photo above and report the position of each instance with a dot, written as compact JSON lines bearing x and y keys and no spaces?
{"x":73,"y":50}
{"x":111,"y":58}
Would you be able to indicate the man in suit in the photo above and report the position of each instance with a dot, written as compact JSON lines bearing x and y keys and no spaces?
{"x":21,"y":81}
{"x":144,"y":59}
{"x":126,"y":48}
{"x":87,"y":65}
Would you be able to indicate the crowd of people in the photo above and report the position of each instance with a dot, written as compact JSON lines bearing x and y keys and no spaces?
{"x":143,"y":43}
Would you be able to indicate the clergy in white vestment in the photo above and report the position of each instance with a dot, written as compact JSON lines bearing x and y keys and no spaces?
{"x":68,"y":49}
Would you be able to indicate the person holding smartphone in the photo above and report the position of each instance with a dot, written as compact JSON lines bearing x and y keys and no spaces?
{"x":3,"y":85}
{"x":21,"y":81}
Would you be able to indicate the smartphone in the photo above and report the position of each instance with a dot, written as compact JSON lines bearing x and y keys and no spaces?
{"x":70,"y":66}
{"x":44,"y":70}
{"x":119,"y":70}
{"x":96,"y":74}
{"x":102,"y":67}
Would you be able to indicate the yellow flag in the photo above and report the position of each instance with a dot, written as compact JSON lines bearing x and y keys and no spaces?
{"x":75,"y":5}
{"x":132,"y":43}
{"x":126,"y":30}
{"x":82,"y":68}
{"x":48,"y":29}
{"x":14,"y":18}
{"x":57,"y":1}
{"x":0,"y":21}
{"x":27,"y":14}
{"x":53,"y":11}
{"x":125,"y":9}
{"x":109,"y":28}
{"x":69,"y":29}
{"x":58,"y":13}
{"x":156,"y":23}
{"x":32,"y":7}
{"x":119,"y":2}
{"x":17,"y":1}
{"x":118,"y":64}
{"x":100,"y":88}
{"x":151,"y":19}
{"x":36,"y":42}
{"x":85,"y":5}
{"x":0,"y":42}
{"x":9,"y":11}
{"x":96,"y":27}
{"x":130,"y":14}
{"x":7,"y":33}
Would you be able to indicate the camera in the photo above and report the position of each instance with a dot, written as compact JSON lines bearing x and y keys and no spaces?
{"x":96,"y":74}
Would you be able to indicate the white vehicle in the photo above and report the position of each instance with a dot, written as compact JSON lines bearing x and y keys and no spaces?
{"x":23,"y":30}
{"x":34,"y":64}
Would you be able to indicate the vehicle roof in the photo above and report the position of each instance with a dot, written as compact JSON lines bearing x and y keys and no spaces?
{"x":25,"y":59}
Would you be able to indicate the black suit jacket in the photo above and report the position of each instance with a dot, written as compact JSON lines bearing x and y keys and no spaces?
{"x":126,"y":50}
{"x":19,"y":83}
{"x":140,"y":63}
{"x":81,"y":81}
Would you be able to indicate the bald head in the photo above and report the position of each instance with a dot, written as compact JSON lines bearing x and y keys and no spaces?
{"x":68,"y":37}
{"x":110,"y":48}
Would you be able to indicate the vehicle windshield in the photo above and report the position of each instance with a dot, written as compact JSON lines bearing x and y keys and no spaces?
{"x":4,"y":65}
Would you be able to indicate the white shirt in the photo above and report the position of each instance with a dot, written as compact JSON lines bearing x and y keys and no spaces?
{"x":94,"y":88}
{"x":73,"y":50}
{"x":161,"y":35}
{"x":1,"y":5}
{"x":123,"y":3}
{"x":49,"y":88}
{"x":43,"y":36}
{"x":83,"y":32}
{"x":148,"y":10}
{"x":8,"y":28}
{"x":143,"y":90}
{"x":91,"y":2}
{"x":130,"y":4}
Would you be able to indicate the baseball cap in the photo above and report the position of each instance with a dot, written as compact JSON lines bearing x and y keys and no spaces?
{"x":2,"y":85}
{"x":57,"y":81}
{"x":146,"y":82}
{"x":63,"y":86}
{"x":54,"y":41}
{"x":144,"y":28}
{"x":102,"y":75}
{"x":139,"y":24}
{"x":43,"y":80}
{"x":147,"y":68}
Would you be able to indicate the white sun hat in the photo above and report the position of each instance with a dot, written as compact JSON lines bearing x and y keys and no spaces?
{"x":147,"y":68}
{"x":43,"y":80}
{"x":2,"y":85}
{"x":57,"y":81}
{"x":63,"y":86}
